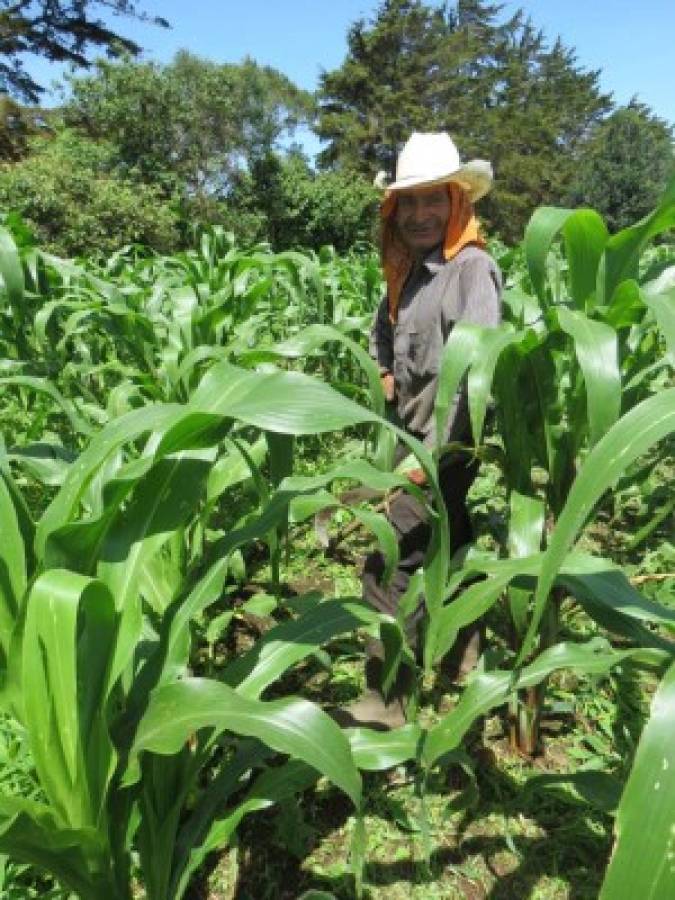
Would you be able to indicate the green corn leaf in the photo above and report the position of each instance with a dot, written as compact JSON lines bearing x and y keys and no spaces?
{"x":475,"y":349}
{"x":286,"y":402}
{"x":291,"y":726}
{"x":620,"y":260}
{"x":643,"y":861}
{"x":30,"y":833}
{"x":232,"y":468}
{"x":481,"y":374}
{"x":77,"y":545}
{"x":611,"y":588}
{"x":162,"y":502}
{"x":628,"y":439}
{"x":375,"y":751}
{"x":526,"y":525}
{"x":11,"y":271}
{"x":526,"y":533}
{"x":386,"y":538}
{"x":473,"y":602}
{"x":308,"y":505}
{"x":610,"y":599}
{"x":627,"y":307}
{"x":47,"y":463}
{"x":12,"y":566}
{"x":489,"y":689}
{"x":599,"y":789}
{"x":662,"y":306}
{"x":196,"y":356}
{"x":288,"y":643}
{"x":209,"y":829}
{"x":43,"y":386}
{"x":200,"y":832}
{"x":169,"y":660}
{"x":119,"y":432}
{"x":596,"y":349}
{"x":585,"y":235}
{"x":540,"y":233}
{"x":315,"y":337}
{"x":68,"y":641}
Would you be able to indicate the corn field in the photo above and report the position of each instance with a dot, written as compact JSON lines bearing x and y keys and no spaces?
{"x":166,"y":421}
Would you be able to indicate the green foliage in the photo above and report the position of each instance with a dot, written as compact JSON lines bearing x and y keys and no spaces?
{"x":187,"y":127}
{"x":369,"y":106}
{"x":17,"y":125}
{"x":58,"y":31}
{"x":289,"y":205}
{"x":154,"y":413}
{"x":498,"y":89}
{"x":70,"y":191}
{"x":625,"y":165}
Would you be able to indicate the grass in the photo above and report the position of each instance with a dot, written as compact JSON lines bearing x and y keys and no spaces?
{"x":506,"y":844}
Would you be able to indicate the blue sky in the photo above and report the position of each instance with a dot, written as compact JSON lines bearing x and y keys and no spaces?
{"x":631,"y":41}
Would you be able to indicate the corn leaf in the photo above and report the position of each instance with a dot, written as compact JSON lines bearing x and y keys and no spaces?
{"x":620,"y":260}
{"x":291,"y":726}
{"x":30,"y":833}
{"x":596,"y":349}
{"x":12,"y":566}
{"x":68,"y":641}
{"x":585,"y":235}
{"x":540,"y":233}
{"x":642,"y":864}
{"x":489,"y":689}
{"x":628,"y":439}
{"x":11,"y":271}
{"x":288,"y":643}
{"x":378,"y":750}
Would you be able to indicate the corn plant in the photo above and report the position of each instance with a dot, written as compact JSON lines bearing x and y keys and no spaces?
{"x":95,"y":637}
{"x":556,"y":370}
{"x":98,"y":598}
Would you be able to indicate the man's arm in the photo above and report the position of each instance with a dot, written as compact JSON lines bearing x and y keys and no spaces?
{"x":480,"y":289}
{"x":381,"y":347}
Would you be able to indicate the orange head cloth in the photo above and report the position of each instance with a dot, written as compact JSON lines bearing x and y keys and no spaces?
{"x":397,"y":260}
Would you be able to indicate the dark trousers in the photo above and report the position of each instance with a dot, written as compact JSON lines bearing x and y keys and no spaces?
{"x":409,"y":520}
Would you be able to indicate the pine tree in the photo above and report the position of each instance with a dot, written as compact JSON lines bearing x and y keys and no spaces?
{"x":60,"y":31}
{"x":379,"y":96}
{"x":625,"y":165}
{"x":496,"y":87}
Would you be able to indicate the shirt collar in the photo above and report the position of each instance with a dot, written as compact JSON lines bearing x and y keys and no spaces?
{"x":435,"y":260}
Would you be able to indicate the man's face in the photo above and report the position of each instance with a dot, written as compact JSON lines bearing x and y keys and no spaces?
{"x":422,"y":217}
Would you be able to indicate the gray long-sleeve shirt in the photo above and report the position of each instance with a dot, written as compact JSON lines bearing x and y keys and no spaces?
{"x":437,"y":294}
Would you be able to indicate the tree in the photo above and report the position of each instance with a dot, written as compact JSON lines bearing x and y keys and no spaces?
{"x":497,"y":88}
{"x":61,"y":31}
{"x":190,"y":126}
{"x":543,"y":107}
{"x":625,"y":165}
{"x":381,"y":92}
{"x":17,"y":125}
{"x":281,"y":200}
{"x":67,"y":190}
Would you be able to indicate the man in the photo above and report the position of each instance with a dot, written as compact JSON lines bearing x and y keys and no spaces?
{"x":437,"y":273}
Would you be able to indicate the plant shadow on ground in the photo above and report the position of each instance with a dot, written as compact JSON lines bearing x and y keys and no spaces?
{"x":512,"y":843}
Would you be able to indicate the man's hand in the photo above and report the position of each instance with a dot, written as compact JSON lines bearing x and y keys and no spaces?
{"x":417,"y":477}
{"x":388,"y":386}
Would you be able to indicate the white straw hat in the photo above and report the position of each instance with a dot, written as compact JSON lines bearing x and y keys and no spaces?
{"x":429,"y":159}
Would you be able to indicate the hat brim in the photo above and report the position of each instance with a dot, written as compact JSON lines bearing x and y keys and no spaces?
{"x":475,"y":177}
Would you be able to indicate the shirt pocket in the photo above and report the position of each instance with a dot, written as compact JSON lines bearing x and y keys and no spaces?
{"x":425,"y":348}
